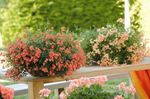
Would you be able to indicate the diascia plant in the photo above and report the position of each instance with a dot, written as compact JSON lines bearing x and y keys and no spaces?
{"x":95,"y":88}
{"x":92,"y":88}
{"x":115,"y":46}
{"x":6,"y":93}
{"x":44,"y":55}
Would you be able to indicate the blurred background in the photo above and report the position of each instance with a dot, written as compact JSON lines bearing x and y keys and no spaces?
{"x":18,"y":16}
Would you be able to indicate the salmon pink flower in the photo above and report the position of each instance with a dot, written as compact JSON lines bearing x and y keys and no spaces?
{"x":52,"y":46}
{"x":122,"y":85}
{"x":44,"y":69}
{"x":63,"y":96}
{"x":44,"y":92}
{"x":130,"y":90}
{"x":119,"y":97}
{"x":38,"y":53}
{"x":6,"y":93}
{"x":31,"y":48}
{"x":101,"y":38}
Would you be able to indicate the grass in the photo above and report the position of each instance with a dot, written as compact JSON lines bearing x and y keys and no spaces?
{"x":118,"y":81}
{"x":5,"y":83}
{"x":21,"y":97}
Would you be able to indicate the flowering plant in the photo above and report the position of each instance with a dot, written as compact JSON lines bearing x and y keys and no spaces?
{"x":6,"y":93}
{"x":45,"y":93}
{"x":44,"y":54}
{"x":95,"y":88}
{"x":114,"y":46}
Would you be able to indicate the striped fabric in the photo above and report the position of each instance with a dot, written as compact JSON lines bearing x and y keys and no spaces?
{"x":141,"y":81}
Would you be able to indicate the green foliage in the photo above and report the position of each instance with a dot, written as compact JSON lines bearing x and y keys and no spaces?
{"x":85,"y":37}
{"x":135,"y":10}
{"x":93,"y":92}
{"x":3,"y":3}
{"x":20,"y":15}
{"x":1,"y":96}
{"x":96,"y":91}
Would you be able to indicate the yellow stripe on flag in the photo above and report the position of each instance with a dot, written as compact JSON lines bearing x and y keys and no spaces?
{"x":138,"y":86}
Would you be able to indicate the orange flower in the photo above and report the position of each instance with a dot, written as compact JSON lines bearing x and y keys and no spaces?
{"x":31,"y":48}
{"x":119,"y":97}
{"x":49,"y":53}
{"x":38,"y":53}
{"x":122,"y":85}
{"x":101,"y":38}
{"x":44,"y":92}
{"x":44,"y":69}
{"x":7,"y":93}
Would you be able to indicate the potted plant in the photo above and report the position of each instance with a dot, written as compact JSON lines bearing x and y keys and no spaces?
{"x":44,"y":54}
{"x":113,"y":46}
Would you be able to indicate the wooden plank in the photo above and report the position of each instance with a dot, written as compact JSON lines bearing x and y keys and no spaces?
{"x":91,"y":72}
{"x":34,"y":88}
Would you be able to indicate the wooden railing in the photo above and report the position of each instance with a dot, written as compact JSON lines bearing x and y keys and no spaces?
{"x":22,"y":88}
{"x":35,"y":84}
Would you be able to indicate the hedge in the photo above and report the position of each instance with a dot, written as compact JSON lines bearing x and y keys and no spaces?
{"x":34,"y":15}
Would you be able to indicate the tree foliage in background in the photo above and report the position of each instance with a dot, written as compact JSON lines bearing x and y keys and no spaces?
{"x":3,"y":3}
{"x":19,"y":15}
{"x":39,"y":14}
{"x":135,"y":11}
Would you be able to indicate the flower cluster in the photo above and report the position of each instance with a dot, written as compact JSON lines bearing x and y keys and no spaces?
{"x":100,"y":80}
{"x":114,"y":46}
{"x":93,"y":88}
{"x":44,"y":93}
{"x":127,"y":89}
{"x":6,"y":93}
{"x":89,"y":83}
{"x":44,"y":54}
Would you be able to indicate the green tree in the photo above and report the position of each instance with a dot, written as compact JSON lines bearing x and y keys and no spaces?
{"x":20,"y":15}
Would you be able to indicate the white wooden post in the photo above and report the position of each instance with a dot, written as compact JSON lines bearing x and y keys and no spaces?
{"x":127,"y":15}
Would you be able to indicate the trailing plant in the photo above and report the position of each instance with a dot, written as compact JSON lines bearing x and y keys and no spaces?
{"x":113,"y":45}
{"x":44,"y":54}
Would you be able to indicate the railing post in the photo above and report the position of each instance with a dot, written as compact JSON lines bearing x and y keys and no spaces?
{"x":56,"y":93}
{"x":34,"y":88}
